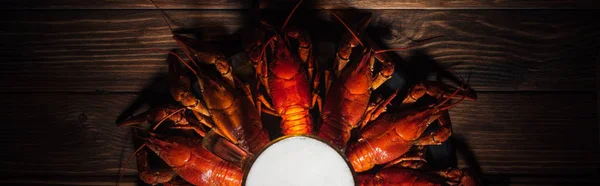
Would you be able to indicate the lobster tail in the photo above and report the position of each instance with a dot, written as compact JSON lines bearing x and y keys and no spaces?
{"x":335,"y":131}
{"x":201,"y":171}
{"x":361,"y":158}
{"x":256,"y":137}
{"x":227,"y":174}
{"x":296,"y":120}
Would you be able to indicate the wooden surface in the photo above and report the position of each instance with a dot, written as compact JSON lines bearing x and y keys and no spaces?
{"x":525,"y":50}
{"x":319,"y":4}
{"x":68,"y":74}
{"x":509,"y":134}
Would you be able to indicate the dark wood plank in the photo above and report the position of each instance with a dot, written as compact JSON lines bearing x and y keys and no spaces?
{"x":513,"y":180}
{"x":522,"y":134}
{"x":69,"y":180}
{"x":321,"y":4}
{"x":531,"y":133}
{"x":83,"y":51}
{"x":598,"y":92}
{"x":51,"y":135}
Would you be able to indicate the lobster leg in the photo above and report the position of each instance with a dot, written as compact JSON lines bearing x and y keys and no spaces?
{"x":260,"y":101}
{"x":459,"y":177}
{"x":414,"y":159}
{"x":257,"y":102}
{"x":205,"y":53}
{"x":416,"y":92}
{"x":177,"y":181}
{"x":439,"y":136}
{"x":224,"y":148}
{"x":305,"y":49}
{"x":159,"y":114}
{"x":437,"y":90}
{"x":253,"y":44}
{"x":194,"y":128}
{"x":347,"y":44}
{"x":264,"y":74}
{"x":179,"y":86}
{"x":134,"y":120}
{"x":205,"y":120}
{"x":328,"y":80}
{"x":386,"y":71}
{"x":163,"y":175}
{"x":248,"y":92}
{"x":158,"y":173}
{"x":374,"y":112}
{"x":316,"y":99}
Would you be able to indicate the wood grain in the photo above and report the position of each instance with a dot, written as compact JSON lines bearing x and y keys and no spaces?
{"x":105,"y":50}
{"x":509,"y":134}
{"x":531,"y":133}
{"x":320,"y":4}
{"x":72,"y":135}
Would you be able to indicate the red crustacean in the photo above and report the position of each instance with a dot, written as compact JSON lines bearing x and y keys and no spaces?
{"x":194,"y":163}
{"x":227,"y":113}
{"x":226,"y":104}
{"x":185,"y":161}
{"x":394,"y":176}
{"x":392,"y":134}
{"x":435,"y":89}
{"x":348,"y":97}
{"x":159,"y":114}
{"x":283,"y":76}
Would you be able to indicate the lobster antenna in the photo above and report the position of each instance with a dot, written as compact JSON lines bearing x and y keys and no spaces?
{"x":290,"y":16}
{"x":347,"y":27}
{"x":264,"y":49}
{"x":423,"y":42}
{"x":164,"y":15}
{"x":467,"y":85}
{"x":167,"y":117}
{"x":268,"y":26}
{"x":187,"y":53}
{"x":453,"y":94}
{"x":180,"y":59}
{"x":127,"y":163}
{"x":455,"y":103}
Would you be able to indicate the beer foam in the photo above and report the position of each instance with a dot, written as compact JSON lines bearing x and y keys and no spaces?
{"x":301,"y":161}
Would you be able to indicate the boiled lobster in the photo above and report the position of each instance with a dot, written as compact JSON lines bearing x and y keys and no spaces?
{"x":225,"y":105}
{"x":194,"y":163}
{"x":348,"y":98}
{"x":159,"y":114}
{"x":394,"y":133}
{"x":288,"y":74}
{"x":284,"y":78}
{"x":408,"y":177}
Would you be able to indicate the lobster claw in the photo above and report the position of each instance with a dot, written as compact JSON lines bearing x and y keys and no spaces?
{"x":445,"y":90}
{"x":223,"y":148}
{"x":174,"y":154}
{"x":163,"y":175}
{"x":205,"y":53}
{"x":438,"y":90}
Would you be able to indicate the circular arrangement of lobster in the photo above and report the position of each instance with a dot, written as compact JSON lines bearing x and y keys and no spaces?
{"x":214,"y":131}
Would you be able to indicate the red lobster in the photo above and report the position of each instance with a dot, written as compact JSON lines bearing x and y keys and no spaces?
{"x":194,"y":163}
{"x":392,"y":135}
{"x":407,"y":177}
{"x":226,"y":104}
{"x":284,"y":78}
{"x":348,"y":99}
